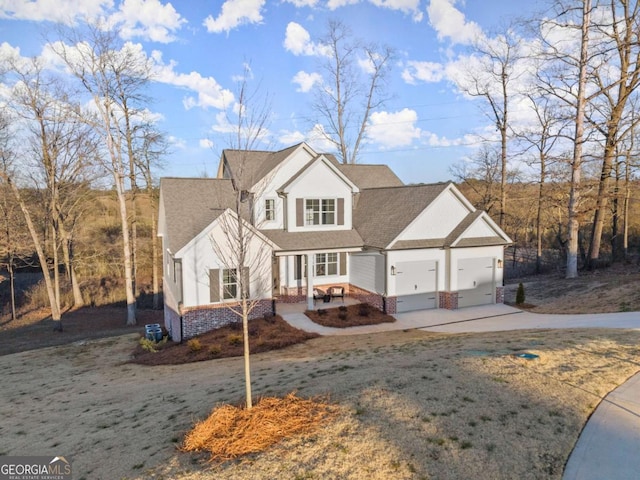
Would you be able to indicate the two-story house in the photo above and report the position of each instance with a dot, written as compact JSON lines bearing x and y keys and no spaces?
{"x":314,"y":222}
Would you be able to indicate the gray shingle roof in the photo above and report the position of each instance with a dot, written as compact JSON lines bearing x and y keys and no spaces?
{"x":298,"y":241}
{"x":252,"y":165}
{"x":370,"y":176}
{"x":382,"y":214}
{"x":190,"y":204}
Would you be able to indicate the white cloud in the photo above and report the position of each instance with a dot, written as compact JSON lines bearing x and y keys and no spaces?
{"x":306,"y":81}
{"x":298,"y":41}
{"x":449,"y":22}
{"x":315,"y":137}
{"x":206,"y":143}
{"x":405,"y":6}
{"x":334,"y":4}
{"x":64,"y":11}
{"x":148,"y":19}
{"x":209,"y":92}
{"x":393,"y":129}
{"x":235,"y":13}
{"x":428,"y":72}
{"x":302,"y":3}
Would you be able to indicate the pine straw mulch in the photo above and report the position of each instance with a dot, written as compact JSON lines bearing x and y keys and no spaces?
{"x":230,"y":432}
{"x":265,"y":334}
{"x":349,"y":316}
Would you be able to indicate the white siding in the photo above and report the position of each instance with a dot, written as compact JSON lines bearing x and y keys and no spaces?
{"x":319,"y":181}
{"x":199,"y":256}
{"x":479,"y":228}
{"x":367,"y":271}
{"x":438,"y":219}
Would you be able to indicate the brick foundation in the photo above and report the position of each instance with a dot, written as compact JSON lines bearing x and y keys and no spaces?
{"x":499,"y":294}
{"x":196,"y":321}
{"x":448,"y":300}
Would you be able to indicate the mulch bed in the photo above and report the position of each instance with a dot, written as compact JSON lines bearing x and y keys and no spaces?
{"x":265,"y":334}
{"x":349,"y":316}
{"x":230,"y":431}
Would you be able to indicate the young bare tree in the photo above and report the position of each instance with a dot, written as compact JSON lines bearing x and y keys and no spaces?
{"x":243,"y":252}
{"x":354,"y":86}
{"x":115,"y":75}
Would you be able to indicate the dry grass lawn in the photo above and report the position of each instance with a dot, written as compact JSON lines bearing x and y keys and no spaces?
{"x":409,"y":405}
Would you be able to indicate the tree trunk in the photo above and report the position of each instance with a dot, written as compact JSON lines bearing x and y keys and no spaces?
{"x":12,"y":286}
{"x":539,"y":215}
{"x":126,"y":247}
{"x":67,"y":252}
{"x":576,"y":163}
{"x":55,"y":310}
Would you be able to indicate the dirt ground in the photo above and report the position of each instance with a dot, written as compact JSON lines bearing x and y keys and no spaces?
{"x":412,"y":405}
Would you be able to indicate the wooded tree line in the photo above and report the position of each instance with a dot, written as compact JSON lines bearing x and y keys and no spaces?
{"x":61,"y":137}
{"x":562,"y":91}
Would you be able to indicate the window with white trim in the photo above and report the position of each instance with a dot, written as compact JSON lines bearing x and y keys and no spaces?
{"x":229,"y":283}
{"x":320,"y":211}
{"x":269,"y":209}
{"x":326,"y":264}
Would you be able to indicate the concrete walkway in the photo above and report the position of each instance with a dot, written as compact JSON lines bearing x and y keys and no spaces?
{"x":609,"y":445}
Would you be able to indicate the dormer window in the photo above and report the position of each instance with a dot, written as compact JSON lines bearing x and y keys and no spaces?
{"x":320,"y":211}
{"x":269,"y":209}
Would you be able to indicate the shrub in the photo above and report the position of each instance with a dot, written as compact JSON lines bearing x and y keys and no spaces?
{"x":215,"y":350}
{"x":270,"y":318}
{"x":194,"y":345}
{"x":234,"y":339}
{"x":322,"y":311}
{"x":363,"y":310}
{"x":342,"y":315}
{"x":342,"y":308}
{"x":254,"y":330}
{"x":148,"y":345}
{"x":520,"y":294}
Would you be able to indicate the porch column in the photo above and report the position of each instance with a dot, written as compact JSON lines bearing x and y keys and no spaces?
{"x":310,"y":281}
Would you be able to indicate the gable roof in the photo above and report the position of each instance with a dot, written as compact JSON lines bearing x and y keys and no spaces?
{"x":329,"y":163}
{"x":370,"y":176}
{"x":191,"y":204}
{"x":251,"y":166}
{"x":383,"y":213}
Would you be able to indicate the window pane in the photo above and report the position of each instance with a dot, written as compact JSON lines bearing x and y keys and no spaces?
{"x":229,"y":283}
{"x":270,"y":209}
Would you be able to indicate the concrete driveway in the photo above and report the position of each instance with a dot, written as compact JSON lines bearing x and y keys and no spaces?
{"x":609,"y":445}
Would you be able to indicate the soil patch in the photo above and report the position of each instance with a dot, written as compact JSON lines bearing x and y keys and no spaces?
{"x":349,"y":316}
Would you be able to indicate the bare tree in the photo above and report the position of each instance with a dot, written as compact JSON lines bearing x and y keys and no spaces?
{"x":115,"y":76}
{"x":492,"y":77}
{"x":542,"y":139}
{"x":619,"y":39}
{"x":354,"y":87}
{"x":481,"y":175}
{"x":243,"y":253}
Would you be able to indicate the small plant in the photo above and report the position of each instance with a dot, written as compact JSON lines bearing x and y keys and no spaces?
{"x":215,"y":350}
{"x":322,"y":311}
{"x":520,"y":294}
{"x":465,"y":445}
{"x":234,"y":339}
{"x":270,"y":318}
{"x":363,"y":310}
{"x":151,"y":345}
{"x":342,"y":308}
{"x":342,"y":315}
{"x":194,"y":345}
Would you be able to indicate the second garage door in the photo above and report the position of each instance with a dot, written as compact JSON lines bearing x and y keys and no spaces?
{"x":416,"y":285}
{"x":475,"y":281}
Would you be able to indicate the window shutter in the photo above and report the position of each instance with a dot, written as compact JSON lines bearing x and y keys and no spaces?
{"x":214,"y":285}
{"x":297,"y":267}
{"x":246,"y":281}
{"x":299,"y":212}
{"x":341,"y":211}
{"x":343,"y":263}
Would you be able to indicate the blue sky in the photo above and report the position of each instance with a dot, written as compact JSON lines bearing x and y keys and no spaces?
{"x":200,"y":47}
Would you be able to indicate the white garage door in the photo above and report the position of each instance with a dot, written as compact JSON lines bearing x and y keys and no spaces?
{"x":475,"y":281}
{"x":416,"y":285}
